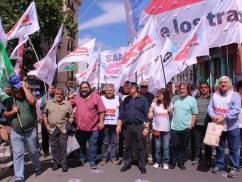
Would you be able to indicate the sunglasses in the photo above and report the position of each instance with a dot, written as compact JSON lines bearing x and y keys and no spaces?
{"x":143,"y":86}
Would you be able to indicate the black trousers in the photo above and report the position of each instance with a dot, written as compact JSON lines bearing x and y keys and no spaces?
{"x":134,"y":134}
{"x":179,"y":145}
{"x":45,"y":138}
{"x":58,"y":142}
{"x":197,"y":136}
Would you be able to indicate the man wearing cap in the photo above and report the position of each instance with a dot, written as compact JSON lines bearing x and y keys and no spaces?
{"x":144,"y":85}
{"x":20,"y":110}
{"x":134,"y":112}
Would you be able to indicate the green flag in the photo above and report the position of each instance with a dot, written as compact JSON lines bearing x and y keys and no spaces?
{"x":6,"y":69}
{"x":70,"y":67}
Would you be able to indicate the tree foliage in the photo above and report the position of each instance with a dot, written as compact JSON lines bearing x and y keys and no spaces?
{"x":50,"y":15}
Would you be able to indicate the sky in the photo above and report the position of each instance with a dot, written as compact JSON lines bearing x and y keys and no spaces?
{"x":106,"y":21}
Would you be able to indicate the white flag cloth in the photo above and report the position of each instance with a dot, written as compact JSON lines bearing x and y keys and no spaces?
{"x":26,"y":25}
{"x":110,"y":66}
{"x":18,"y":54}
{"x":145,"y":49}
{"x":177,"y":18}
{"x":45,"y":69}
{"x":175,"y":61}
{"x":83,"y":53}
{"x":91,"y":73}
{"x":15,"y":53}
{"x":3,"y":35}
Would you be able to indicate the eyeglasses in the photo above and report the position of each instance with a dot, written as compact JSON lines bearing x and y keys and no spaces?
{"x":143,"y":86}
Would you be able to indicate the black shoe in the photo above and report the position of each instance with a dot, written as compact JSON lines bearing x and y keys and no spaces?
{"x":172,"y":166}
{"x":142,"y":170}
{"x":38,"y":172}
{"x":64,"y":168}
{"x":55,"y":167}
{"x":82,"y":163}
{"x":125,"y":168}
{"x":93,"y":165}
{"x":182,"y":166}
{"x":46,"y":154}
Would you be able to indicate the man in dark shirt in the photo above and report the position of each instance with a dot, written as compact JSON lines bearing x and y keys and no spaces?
{"x":144,"y":85}
{"x":134,"y":112}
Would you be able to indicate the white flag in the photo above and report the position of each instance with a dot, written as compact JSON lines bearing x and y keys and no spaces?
{"x":16,"y":51}
{"x":91,"y":73}
{"x":18,"y":54}
{"x":26,"y":25}
{"x":145,"y":49}
{"x":3,"y":35}
{"x":45,"y":69}
{"x":83,"y":53}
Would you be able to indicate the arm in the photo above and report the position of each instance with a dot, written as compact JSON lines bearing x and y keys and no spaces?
{"x":211,"y":110}
{"x":147,"y":120}
{"x":234,"y":107}
{"x":194,"y":113}
{"x":30,"y":98}
{"x":151,"y":112}
{"x":45,"y":120}
{"x":9,"y":114}
{"x":101,"y":120}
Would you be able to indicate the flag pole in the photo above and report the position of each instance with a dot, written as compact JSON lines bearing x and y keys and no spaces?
{"x":163,"y":69}
{"x":38,"y":61}
{"x":227,"y":60}
{"x":14,"y":101}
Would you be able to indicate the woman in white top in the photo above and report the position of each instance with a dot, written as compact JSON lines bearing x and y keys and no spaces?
{"x":160,"y":111}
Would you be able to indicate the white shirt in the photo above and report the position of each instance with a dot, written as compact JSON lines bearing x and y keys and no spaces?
{"x":161,"y":120}
{"x":112,"y":110}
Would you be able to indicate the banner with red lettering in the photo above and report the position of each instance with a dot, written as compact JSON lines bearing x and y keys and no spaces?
{"x":110,"y":66}
{"x":145,"y":49}
{"x":83,"y":53}
{"x":26,"y":25}
{"x":177,"y":19}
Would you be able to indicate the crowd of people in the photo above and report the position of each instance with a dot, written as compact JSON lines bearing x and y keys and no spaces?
{"x":136,"y":125}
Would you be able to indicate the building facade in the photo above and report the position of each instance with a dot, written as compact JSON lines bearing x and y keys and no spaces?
{"x":69,"y":40}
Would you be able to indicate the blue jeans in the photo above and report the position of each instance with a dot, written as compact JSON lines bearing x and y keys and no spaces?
{"x":18,"y":140}
{"x":233,"y":139}
{"x":111,"y":139}
{"x":164,"y":141}
{"x":92,"y":138}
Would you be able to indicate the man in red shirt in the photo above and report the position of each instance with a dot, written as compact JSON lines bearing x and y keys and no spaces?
{"x":89,"y":118}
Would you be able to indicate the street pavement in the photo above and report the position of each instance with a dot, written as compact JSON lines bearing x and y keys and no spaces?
{"x":111,"y":173}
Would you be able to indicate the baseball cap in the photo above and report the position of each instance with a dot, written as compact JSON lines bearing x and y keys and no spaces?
{"x":144,"y":83}
{"x":15,"y":81}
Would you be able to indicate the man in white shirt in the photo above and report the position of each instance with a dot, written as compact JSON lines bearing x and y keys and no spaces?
{"x":112,"y":104}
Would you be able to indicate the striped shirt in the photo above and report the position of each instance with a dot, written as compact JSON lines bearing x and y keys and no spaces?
{"x":202,"y":104}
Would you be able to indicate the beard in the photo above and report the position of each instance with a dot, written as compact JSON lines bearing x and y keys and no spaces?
{"x":85,"y":94}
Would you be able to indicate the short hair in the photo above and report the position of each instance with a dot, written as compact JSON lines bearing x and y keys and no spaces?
{"x":228,"y":79}
{"x":59,"y":90}
{"x":135,"y":85}
{"x":239,"y":85}
{"x":109,"y":86}
{"x":187,"y":85}
{"x":203,"y":83}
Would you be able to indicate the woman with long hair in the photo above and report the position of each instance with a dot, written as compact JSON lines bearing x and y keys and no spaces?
{"x":160,"y":111}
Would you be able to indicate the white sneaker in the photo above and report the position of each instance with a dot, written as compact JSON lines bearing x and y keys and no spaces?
{"x":156,"y":165}
{"x":165,"y":166}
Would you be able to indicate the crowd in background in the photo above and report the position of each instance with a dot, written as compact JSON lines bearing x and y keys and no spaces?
{"x":128,"y":126}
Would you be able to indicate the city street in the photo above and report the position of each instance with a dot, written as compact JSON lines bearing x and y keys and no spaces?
{"x":110,"y":173}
